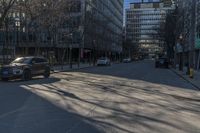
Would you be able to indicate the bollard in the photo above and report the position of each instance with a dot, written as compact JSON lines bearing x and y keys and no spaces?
{"x":191,"y":73}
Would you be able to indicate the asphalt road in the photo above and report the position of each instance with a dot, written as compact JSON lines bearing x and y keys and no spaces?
{"x":123,"y":98}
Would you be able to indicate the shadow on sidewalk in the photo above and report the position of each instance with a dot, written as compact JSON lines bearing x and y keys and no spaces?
{"x":23,"y":111}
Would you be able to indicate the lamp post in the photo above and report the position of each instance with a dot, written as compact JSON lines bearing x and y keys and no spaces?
{"x":81,"y":44}
{"x":181,"y":54}
{"x":70,"y":50}
{"x":94,"y":52}
{"x":17,"y":28}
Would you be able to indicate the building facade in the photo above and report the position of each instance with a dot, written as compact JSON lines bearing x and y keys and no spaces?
{"x":187,"y":34}
{"x":197,"y":34}
{"x":91,"y":27}
{"x":104,"y":26}
{"x":145,"y":24}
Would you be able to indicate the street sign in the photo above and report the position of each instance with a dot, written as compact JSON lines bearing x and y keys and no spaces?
{"x":197,"y":43}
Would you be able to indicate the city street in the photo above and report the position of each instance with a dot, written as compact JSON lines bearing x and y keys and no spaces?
{"x":122,"y":98}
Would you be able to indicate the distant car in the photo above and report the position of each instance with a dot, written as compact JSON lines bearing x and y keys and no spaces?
{"x":136,"y":59}
{"x":162,"y":63}
{"x":25,"y":68}
{"x":104,"y":61}
{"x":127,"y":60}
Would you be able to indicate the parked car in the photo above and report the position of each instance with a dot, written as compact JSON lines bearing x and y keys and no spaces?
{"x":162,"y":63}
{"x":25,"y":68}
{"x":103,"y":61}
{"x":127,"y":60}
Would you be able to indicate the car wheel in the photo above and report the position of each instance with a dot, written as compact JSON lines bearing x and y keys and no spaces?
{"x":4,"y":79}
{"x":47,"y":73}
{"x":27,"y":75}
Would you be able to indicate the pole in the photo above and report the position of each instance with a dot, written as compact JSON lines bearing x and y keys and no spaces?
{"x":3,"y":50}
{"x":70,"y":57}
{"x":79,"y":56}
{"x":90,"y":58}
{"x":198,"y":60}
{"x":181,"y":62}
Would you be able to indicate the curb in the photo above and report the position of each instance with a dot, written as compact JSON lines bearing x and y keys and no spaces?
{"x":73,"y":69}
{"x":184,"y":78}
{"x":70,"y":70}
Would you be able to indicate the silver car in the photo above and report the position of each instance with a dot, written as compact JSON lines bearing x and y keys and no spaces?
{"x":103,"y":61}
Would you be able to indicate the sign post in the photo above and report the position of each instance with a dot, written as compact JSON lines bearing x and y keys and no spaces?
{"x":197,"y":43}
{"x":197,"y":46}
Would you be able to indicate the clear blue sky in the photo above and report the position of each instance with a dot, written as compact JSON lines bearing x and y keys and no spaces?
{"x":129,"y":1}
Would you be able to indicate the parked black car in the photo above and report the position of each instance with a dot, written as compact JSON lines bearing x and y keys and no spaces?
{"x":25,"y":68}
{"x":162,"y":63}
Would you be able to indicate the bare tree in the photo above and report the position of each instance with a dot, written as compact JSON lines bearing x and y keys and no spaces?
{"x":5,"y":6}
{"x":5,"y":9}
{"x":48,"y":16}
{"x":170,"y":33}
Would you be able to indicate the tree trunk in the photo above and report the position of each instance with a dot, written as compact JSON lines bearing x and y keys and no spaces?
{"x":79,"y":57}
{"x":63,"y":57}
{"x":198,"y":60}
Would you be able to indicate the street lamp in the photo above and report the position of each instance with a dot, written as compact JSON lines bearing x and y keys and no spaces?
{"x":17,"y":28}
{"x":81,"y":44}
{"x":94,"y":51}
{"x":181,"y":37}
{"x":70,"y":49}
{"x":181,"y":53}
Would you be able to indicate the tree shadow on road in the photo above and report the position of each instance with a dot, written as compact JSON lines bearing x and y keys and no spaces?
{"x":143,"y":71}
{"x":95,"y":101}
{"x":23,"y":111}
{"x":150,"y":108}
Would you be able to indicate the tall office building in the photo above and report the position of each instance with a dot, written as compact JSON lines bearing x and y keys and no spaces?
{"x":96,"y":27}
{"x":105,"y":25}
{"x":145,"y":23}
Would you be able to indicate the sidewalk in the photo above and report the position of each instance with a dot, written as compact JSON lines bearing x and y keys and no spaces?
{"x":195,"y":81}
{"x":60,"y":68}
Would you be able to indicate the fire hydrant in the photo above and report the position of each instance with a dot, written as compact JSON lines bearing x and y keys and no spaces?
{"x":191,"y":72}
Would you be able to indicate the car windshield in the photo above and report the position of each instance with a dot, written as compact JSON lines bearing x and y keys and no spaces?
{"x":22,"y":60}
{"x":103,"y":58}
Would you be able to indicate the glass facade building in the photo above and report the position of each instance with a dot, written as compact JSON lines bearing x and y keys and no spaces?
{"x":104,"y":25}
{"x":93,"y":25}
{"x":145,"y":24}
